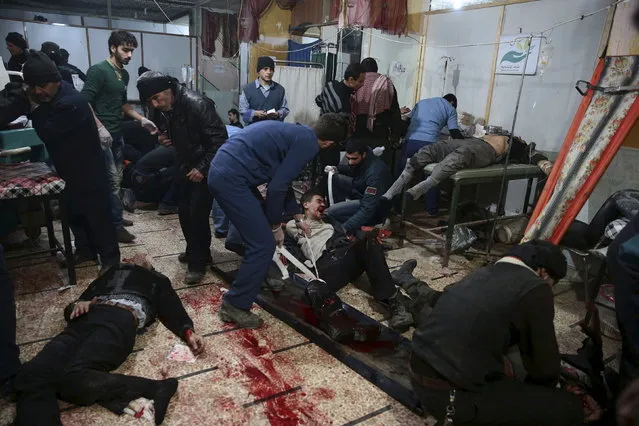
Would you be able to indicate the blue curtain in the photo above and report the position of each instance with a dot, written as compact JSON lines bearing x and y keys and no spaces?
{"x":300,"y":52}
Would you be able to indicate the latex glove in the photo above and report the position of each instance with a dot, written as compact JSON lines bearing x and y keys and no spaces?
{"x":378,"y":151}
{"x":149,"y":126}
{"x":304,"y":227}
{"x":545,"y":166}
{"x":329,"y":169}
{"x":106,"y":140}
{"x":278,"y":235}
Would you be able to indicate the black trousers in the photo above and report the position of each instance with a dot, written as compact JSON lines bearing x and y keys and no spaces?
{"x":75,"y":366}
{"x":91,"y":222}
{"x":343,"y":265}
{"x":194,"y":209}
{"x":9,"y":352}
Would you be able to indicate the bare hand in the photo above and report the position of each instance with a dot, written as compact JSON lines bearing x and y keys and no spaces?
{"x":304,"y":227}
{"x":82,"y":307}
{"x":278,"y":235}
{"x":259,"y":113}
{"x":164,"y":139}
{"x":404,"y":110}
{"x":195,"y":176}
{"x":195,"y":342}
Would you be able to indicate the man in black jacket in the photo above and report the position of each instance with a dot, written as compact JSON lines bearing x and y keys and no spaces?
{"x":100,"y":335}
{"x":196,"y":131}
{"x":341,"y":258}
{"x":458,"y":353}
{"x":65,"y":123}
{"x":17,"y":46}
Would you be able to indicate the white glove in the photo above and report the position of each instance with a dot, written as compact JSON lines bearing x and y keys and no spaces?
{"x":545,"y":166}
{"x":329,"y":169}
{"x":378,"y":151}
{"x":278,"y":235}
{"x":149,"y":125}
{"x":106,"y":140}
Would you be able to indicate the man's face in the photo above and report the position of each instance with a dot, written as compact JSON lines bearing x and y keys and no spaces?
{"x":13,"y":49}
{"x":122,"y":54}
{"x":266,"y":74}
{"x":162,"y":101}
{"x":355,"y":158}
{"x":45,"y":93}
{"x":325,"y":144}
{"x":355,"y":84}
{"x":232,"y":117}
{"x":546,"y":277}
{"x":314,"y":209}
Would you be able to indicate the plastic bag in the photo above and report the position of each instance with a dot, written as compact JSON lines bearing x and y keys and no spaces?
{"x":463,"y":238}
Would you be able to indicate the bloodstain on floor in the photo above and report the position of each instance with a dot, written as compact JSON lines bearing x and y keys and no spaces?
{"x":324,"y":393}
{"x":209,"y":296}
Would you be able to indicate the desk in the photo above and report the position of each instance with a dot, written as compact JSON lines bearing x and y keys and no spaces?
{"x":37,"y":182}
{"x":490,"y":174}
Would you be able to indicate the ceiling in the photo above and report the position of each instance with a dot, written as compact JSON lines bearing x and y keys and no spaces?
{"x":145,"y":10}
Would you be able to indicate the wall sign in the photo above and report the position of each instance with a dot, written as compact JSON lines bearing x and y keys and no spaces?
{"x":512,"y":54}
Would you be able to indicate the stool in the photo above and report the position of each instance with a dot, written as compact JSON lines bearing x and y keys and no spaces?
{"x":38,"y":182}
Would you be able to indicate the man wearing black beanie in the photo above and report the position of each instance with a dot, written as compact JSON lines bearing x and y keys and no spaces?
{"x":66,"y":125}
{"x":17,"y":46}
{"x":458,"y":349}
{"x":263,"y":99}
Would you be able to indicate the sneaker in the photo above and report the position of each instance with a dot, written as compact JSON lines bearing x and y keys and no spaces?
{"x":244,"y":319}
{"x":400,"y":319}
{"x":125,"y":236}
{"x":164,"y":210}
{"x":165,"y":391}
{"x":127,"y":222}
{"x":183,"y":259}
{"x":193,"y":277}
{"x":404,"y":275}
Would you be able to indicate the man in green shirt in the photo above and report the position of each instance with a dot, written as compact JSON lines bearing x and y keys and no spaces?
{"x":106,"y":91}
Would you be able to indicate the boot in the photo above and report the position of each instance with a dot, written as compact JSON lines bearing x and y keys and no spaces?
{"x":164,"y":210}
{"x":404,"y":275}
{"x":244,"y":319}
{"x":182,"y":258}
{"x":400,"y":319}
{"x":193,"y":277}
{"x":127,"y":222}
{"x":125,"y":236}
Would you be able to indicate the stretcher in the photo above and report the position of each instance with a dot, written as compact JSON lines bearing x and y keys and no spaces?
{"x":491,"y":174}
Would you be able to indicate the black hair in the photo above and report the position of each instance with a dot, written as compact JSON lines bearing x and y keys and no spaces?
{"x":64,"y":55}
{"x":353,"y":145}
{"x":354,"y":71}
{"x":120,"y":38}
{"x":370,"y":65}
{"x":452,"y":99}
{"x":142,"y":70}
{"x":331,"y":127}
{"x":234,"y":111}
{"x":542,"y":254}
{"x":307,"y":197}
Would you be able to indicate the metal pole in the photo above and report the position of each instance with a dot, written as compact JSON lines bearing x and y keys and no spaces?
{"x":108,"y":2}
{"x":510,"y":140}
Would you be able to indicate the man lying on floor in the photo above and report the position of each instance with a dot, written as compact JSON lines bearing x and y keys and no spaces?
{"x":455,"y":155}
{"x":99,"y":337}
{"x":341,"y":258}
{"x":458,"y":351}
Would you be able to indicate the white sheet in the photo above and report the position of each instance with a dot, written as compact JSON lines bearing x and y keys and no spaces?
{"x":302,"y":85}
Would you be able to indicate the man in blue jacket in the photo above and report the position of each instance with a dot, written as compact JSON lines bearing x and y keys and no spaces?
{"x":358,"y":187}
{"x":268,"y":152}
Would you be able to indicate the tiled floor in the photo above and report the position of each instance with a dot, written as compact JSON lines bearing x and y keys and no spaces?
{"x":273,"y":375}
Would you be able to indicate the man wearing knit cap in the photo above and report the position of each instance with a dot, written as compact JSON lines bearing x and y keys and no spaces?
{"x":52,"y":50}
{"x":263,"y":99}
{"x":267,"y":152}
{"x":197,"y":132}
{"x":17,"y":46}
{"x":65,"y":123}
{"x":458,"y":362}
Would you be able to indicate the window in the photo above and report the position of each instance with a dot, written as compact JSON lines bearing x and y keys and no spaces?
{"x":456,"y":4}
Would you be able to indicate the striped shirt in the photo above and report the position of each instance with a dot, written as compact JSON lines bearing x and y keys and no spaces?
{"x":335,"y":97}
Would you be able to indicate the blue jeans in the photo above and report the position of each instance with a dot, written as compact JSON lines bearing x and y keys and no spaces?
{"x":114,"y":161}
{"x":343,"y":211}
{"x":431,"y":197}
{"x":220,"y":220}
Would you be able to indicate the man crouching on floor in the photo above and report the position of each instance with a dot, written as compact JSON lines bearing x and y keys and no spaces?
{"x":99,"y":337}
{"x":341,"y":258}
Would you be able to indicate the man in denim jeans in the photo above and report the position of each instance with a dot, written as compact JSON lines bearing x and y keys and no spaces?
{"x":106,"y":91}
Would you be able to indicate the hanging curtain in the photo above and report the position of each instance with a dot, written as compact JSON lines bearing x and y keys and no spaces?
{"x":389,"y":16}
{"x":210,"y":31}
{"x":249,"y":18}
{"x":300,"y":52}
{"x":230,"y":43}
{"x":304,"y":84}
{"x":286,"y":4}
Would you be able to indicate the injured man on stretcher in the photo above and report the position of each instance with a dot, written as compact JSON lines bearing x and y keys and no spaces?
{"x":100,"y":335}
{"x":341,"y":258}
{"x":454,"y":155}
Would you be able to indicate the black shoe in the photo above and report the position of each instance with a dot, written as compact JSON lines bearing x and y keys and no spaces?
{"x":193,"y":277}
{"x":127,"y":222}
{"x":7,"y":390}
{"x":244,"y":319}
{"x":220,"y":234}
{"x":166,"y":390}
{"x":164,"y":210}
{"x":83,"y":257}
{"x":125,"y":236}
{"x":404,"y":275}
{"x":400,"y":319}
{"x":183,"y":259}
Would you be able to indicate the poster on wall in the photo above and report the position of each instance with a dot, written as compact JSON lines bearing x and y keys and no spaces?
{"x":512,"y":54}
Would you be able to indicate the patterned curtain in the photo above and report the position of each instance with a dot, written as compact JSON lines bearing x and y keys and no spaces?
{"x":212,"y":24}
{"x":389,"y":16}
{"x":210,"y":31}
{"x":249,"y":18}
{"x":230,"y":43}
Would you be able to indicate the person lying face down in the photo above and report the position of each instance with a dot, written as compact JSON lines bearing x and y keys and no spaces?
{"x":455,"y":155}
{"x":461,"y":344}
{"x":99,"y":337}
{"x":340,"y":259}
